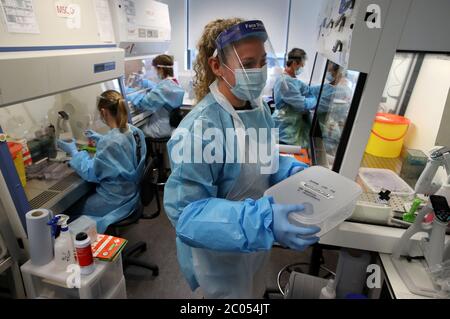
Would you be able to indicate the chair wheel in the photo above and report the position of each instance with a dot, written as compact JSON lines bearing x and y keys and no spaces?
{"x":155,"y":272}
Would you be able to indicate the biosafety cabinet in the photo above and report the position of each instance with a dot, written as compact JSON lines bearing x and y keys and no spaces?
{"x":392,"y":57}
{"x":53,"y":69}
{"x":45,"y":75}
{"x":45,"y":86}
{"x":141,"y":27}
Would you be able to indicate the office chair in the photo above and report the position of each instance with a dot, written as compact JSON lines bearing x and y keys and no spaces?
{"x":155,"y":149}
{"x":148,"y":191}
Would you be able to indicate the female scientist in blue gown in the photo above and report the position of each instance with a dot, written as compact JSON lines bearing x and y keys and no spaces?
{"x":116,"y":168}
{"x":225,"y":226}
{"x":292,"y":102}
{"x":165,"y":98}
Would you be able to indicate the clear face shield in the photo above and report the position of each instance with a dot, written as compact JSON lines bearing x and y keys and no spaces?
{"x":245,"y":54}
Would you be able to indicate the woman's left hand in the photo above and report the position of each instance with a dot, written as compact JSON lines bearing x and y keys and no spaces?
{"x":68,"y":147}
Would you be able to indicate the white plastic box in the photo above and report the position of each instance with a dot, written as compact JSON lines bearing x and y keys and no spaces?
{"x":48,"y":282}
{"x":329,"y":198}
{"x":304,"y":286}
{"x":84,"y":224}
{"x":120,"y":291}
{"x":375,"y":179}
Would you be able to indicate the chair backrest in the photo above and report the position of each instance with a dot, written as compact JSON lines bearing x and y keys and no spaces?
{"x":175,"y":117}
{"x":148,"y":182}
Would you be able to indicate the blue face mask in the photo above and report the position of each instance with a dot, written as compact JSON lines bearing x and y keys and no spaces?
{"x":249,"y":83}
{"x":299,"y":71}
{"x":329,"y":77}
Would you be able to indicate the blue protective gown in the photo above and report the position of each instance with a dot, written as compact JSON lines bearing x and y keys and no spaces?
{"x":117,"y":171}
{"x":195,"y":200}
{"x":329,"y":94}
{"x":166,"y":96}
{"x":332,"y":111}
{"x":291,"y":102}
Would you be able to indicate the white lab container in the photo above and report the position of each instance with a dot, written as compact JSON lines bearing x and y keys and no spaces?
{"x":84,"y":224}
{"x":48,"y":282}
{"x":376,"y":179}
{"x":304,"y":286}
{"x":120,"y":291}
{"x":329,"y":198}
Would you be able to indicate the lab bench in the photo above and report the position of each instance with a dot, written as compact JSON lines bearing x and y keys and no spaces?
{"x":394,"y":164}
{"x":395,"y":285}
{"x":56,"y":195}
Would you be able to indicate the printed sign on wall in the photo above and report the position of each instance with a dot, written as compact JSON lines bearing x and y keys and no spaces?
{"x":71,"y":12}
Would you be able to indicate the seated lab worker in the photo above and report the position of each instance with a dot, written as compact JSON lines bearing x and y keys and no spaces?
{"x":116,"y":167}
{"x":291,"y":103}
{"x":225,"y":227}
{"x":163,"y":100}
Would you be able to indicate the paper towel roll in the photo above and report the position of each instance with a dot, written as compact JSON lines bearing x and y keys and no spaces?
{"x":39,"y":236}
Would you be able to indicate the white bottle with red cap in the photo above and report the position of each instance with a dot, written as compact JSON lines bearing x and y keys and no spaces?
{"x":84,"y":253}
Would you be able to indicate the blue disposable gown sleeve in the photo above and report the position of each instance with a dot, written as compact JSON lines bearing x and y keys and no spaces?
{"x":304,"y":88}
{"x":327,"y":91}
{"x":110,"y":161}
{"x":288,"y":90}
{"x":129,"y":90}
{"x":83,"y":164}
{"x":166,"y":94}
{"x":192,"y":204}
{"x":136,"y":99}
{"x":313,"y":91}
{"x":148,"y":84}
{"x":224,"y":225}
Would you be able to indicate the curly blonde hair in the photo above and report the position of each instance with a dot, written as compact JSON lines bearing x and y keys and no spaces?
{"x":206,"y":46}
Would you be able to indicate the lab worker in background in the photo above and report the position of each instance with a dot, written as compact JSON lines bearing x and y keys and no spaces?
{"x":225,"y":226}
{"x":333,"y":106}
{"x":116,"y":168}
{"x":164,"y":100}
{"x":292,"y":104}
{"x":336,"y":86}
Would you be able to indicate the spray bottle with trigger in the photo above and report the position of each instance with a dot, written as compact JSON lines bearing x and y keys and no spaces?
{"x":64,"y":251}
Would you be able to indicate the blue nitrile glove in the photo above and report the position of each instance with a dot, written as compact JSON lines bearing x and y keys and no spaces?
{"x":300,"y":166}
{"x":93,"y":135}
{"x":287,"y":234}
{"x":68,"y":147}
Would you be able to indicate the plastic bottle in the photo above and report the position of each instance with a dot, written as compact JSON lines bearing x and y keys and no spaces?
{"x":64,"y":252}
{"x":328,"y":292}
{"x":84,"y":253}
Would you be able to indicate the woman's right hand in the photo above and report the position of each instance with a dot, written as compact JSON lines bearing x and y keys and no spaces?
{"x":287,"y":234}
